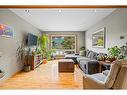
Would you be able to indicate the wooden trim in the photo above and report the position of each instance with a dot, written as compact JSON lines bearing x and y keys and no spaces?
{"x":63,"y":6}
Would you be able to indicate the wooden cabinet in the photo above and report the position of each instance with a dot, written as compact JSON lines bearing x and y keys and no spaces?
{"x":35,"y":61}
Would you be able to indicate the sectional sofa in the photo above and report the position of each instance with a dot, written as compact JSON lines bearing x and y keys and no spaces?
{"x":89,"y":63}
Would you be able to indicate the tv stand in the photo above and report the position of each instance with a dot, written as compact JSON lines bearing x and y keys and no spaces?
{"x":35,"y":60}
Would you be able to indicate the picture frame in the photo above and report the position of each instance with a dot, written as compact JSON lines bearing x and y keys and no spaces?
{"x":98,"y":38}
{"x":6,"y":31}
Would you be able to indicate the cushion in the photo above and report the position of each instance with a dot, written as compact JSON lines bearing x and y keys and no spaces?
{"x":93,"y":55}
{"x":89,"y":55}
{"x":99,"y":77}
{"x":111,"y":77}
{"x":87,"y":52}
{"x":83,"y":59}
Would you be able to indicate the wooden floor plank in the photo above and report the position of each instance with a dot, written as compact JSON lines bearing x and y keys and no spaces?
{"x":45,"y":76}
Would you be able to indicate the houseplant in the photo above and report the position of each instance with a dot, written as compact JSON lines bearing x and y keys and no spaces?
{"x":82,"y":51}
{"x":43,"y":47}
{"x":114,"y":53}
{"x":22,"y":56}
{"x":27,"y":66}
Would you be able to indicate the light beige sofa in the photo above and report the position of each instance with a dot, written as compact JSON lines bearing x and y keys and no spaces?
{"x":115,"y":79}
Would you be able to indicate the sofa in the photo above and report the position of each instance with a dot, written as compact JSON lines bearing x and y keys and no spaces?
{"x":89,"y":55}
{"x":115,"y":78}
{"x":73,"y":57}
{"x":89,"y":63}
{"x":89,"y":67}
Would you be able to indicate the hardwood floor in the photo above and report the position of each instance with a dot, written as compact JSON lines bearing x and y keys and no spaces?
{"x":45,"y":76}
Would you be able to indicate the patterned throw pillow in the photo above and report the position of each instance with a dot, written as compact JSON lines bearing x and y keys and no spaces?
{"x":93,"y":55}
{"x":87,"y":52}
{"x":90,"y":54}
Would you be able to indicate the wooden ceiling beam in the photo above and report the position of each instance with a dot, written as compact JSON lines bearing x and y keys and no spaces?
{"x":63,"y":6}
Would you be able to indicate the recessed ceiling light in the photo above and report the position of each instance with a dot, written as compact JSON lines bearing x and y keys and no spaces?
{"x":27,"y":11}
{"x":95,"y":10}
{"x":60,"y":10}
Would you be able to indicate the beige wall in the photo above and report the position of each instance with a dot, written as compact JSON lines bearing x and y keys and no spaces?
{"x":116,"y":26}
{"x":8,"y":46}
{"x":80,"y":36}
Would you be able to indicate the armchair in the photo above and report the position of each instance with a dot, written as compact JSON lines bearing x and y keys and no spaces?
{"x":115,"y":79}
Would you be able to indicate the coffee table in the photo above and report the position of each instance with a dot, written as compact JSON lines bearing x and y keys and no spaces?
{"x":66,"y":65}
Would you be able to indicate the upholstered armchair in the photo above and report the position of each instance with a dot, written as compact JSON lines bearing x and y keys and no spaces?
{"x":115,"y":78}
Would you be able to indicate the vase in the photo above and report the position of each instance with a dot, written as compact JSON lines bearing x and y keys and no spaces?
{"x":27,"y":68}
{"x":44,"y":61}
{"x":112,"y":58}
{"x":82,"y":53}
{"x":1,"y":74}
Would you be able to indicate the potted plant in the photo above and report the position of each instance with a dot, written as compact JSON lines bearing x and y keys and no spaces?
{"x":82,"y":51}
{"x":114,"y":53}
{"x":22,"y":55}
{"x":43,"y":44}
{"x":27,"y":66}
{"x":1,"y":73}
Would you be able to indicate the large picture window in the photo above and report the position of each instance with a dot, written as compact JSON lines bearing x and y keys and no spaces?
{"x":63,"y":42}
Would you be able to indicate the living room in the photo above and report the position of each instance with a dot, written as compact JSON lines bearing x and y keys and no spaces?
{"x":56,"y":38}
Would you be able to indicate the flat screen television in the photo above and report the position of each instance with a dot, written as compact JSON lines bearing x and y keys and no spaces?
{"x":31,"y":40}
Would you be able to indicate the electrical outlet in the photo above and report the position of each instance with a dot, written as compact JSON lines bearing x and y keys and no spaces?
{"x":122,"y":37}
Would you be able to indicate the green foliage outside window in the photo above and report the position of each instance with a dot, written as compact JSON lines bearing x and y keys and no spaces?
{"x":63,"y":42}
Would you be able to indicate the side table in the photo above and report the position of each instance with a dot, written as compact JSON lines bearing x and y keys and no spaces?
{"x":104,"y":64}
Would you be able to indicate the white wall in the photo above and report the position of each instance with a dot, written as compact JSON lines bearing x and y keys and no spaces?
{"x":80,"y":36}
{"x":8,"y":46}
{"x":116,"y":26}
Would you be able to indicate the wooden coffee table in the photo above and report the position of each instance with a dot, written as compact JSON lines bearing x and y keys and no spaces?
{"x":66,"y":65}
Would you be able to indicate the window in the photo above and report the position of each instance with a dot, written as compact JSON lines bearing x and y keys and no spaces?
{"x":64,"y":42}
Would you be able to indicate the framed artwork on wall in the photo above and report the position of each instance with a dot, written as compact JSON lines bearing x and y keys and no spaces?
{"x":98,"y":38}
{"x":6,"y":30}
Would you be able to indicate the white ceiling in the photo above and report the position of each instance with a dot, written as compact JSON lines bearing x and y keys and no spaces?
{"x":63,"y":19}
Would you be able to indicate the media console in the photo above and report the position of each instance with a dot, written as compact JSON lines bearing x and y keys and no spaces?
{"x":35,"y":60}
